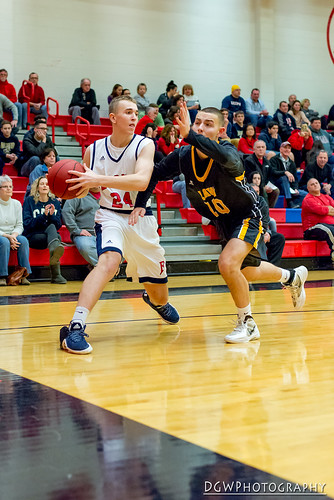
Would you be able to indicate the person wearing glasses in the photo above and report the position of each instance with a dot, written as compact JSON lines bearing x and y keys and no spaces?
{"x":33,"y":147}
{"x":11,"y":228}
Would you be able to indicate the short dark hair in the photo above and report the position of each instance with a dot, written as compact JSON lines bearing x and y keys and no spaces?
{"x":315,"y":118}
{"x":149,"y":125}
{"x":255,"y":89}
{"x":272,"y":124}
{"x":46,"y":152}
{"x":5,"y":122}
{"x":3,"y":69}
{"x":216,"y":112}
{"x":141,"y":84}
{"x":280,"y":104}
{"x":239,"y":113}
{"x":116,"y":100}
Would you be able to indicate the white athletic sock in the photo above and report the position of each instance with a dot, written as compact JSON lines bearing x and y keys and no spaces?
{"x":243,"y":312}
{"x":80,"y":315}
{"x":285,"y":275}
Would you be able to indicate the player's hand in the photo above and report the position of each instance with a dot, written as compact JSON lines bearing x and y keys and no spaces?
{"x":183,"y":121}
{"x":83,"y":180}
{"x":84,"y":232}
{"x":135,"y":214}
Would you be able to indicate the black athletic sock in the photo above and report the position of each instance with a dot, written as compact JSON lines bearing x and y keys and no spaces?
{"x":292,"y":277}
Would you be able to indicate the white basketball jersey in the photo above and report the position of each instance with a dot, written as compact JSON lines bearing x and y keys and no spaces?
{"x":106,"y":159}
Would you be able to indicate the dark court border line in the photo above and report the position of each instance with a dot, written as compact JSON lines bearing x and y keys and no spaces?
{"x":130,"y":294}
{"x":115,"y":322}
{"x":141,"y":468}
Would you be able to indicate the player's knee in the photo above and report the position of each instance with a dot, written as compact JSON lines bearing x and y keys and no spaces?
{"x":109,"y":262}
{"x":227,"y":265}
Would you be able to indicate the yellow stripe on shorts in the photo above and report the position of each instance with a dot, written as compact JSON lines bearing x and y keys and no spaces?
{"x":259,"y":234}
{"x":244,"y":229}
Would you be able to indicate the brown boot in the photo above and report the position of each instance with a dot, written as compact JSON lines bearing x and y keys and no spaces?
{"x":56,"y":276}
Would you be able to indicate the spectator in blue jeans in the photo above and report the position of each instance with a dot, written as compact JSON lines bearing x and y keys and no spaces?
{"x":11,"y":229}
{"x":179,"y":186}
{"x":79,"y":218}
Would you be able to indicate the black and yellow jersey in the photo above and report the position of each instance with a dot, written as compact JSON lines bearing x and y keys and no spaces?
{"x":216,"y":186}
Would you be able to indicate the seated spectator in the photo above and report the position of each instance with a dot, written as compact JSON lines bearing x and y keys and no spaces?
{"x":150,"y":130}
{"x":259,"y":163}
{"x":301,"y":142}
{"x":271,"y":138}
{"x":238,"y":125}
{"x":291,"y":99}
{"x":192,"y":101}
{"x":320,"y":170}
{"x":247,"y":140}
{"x":283,"y":174}
{"x":286,"y":122}
{"x":7,"y":105}
{"x":9,"y":147}
{"x":116,"y":92}
{"x":152,"y":115}
{"x":83,"y":103}
{"x":141,"y":100}
{"x":126,"y":92}
{"x":173,"y":113}
{"x":227,"y":124}
{"x":36,"y":97}
{"x":311,"y":155}
{"x":330,"y":118}
{"x":41,"y":221}
{"x":234,"y":102}
{"x":256,"y":110}
{"x":318,"y":216}
{"x":305,"y":107}
{"x":48,"y":159}
{"x":79,"y":218}
{"x":168,"y":140}
{"x":11,"y":228}
{"x":179,"y":186}
{"x":34,"y":144}
{"x":9,"y":91}
{"x":165,"y":100}
{"x":273,"y":240}
{"x":321,"y":135}
{"x":298,"y":114}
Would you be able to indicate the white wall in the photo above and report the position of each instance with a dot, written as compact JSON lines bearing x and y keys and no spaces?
{"x":277,"y":45}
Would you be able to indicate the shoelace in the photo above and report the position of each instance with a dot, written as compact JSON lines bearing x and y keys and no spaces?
{"x":166,"y":310}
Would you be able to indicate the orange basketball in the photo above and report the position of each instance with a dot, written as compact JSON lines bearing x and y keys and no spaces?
{"x":57,"y":176}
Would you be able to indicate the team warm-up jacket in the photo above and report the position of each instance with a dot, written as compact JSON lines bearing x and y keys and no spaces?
{"x":216,"y":186}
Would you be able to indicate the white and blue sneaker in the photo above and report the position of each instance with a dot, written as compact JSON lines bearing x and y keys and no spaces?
{"x":245,"y":331}
{"x":167,"y":312}
{"x":73,"y":340}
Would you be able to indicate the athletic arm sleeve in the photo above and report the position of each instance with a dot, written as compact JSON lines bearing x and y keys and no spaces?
{"x":165,"y":170}
{"x":223,"y":153}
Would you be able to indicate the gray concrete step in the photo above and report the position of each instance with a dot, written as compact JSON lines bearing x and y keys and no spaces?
{"x":177,"y":231}
{"x":184,"y":239}
{"x":192,"y":248}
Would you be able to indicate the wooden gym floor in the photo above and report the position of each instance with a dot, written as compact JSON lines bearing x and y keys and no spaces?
{"x":167,"y":412}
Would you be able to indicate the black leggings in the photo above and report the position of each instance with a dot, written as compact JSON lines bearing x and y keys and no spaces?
{"x":43,"y":240}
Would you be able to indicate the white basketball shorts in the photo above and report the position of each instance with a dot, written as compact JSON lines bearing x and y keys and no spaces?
{"x":138,"y":244}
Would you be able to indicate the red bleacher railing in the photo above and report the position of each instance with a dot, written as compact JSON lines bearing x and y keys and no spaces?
{"x":52,"y":116}
{"x":80,"y":136}
{"x":25,"y":85}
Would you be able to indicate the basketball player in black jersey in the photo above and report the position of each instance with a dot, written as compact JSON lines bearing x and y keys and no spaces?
{"x":217,"y":189}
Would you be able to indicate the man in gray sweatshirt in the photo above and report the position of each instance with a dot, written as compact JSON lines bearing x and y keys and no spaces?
{"x":78,"y":215}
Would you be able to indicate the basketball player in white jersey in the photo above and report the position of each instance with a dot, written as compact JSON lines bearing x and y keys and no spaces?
{"x":121,"y":165}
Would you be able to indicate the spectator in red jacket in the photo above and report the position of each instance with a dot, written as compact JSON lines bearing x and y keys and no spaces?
{"x":168,"y":140}
{"x":9,"y":91}
{"x":152,"y":111}
{"x":36,"y":98}
{"x":318,"y":215}
{"x":301,"y":142}
{"x":248,"y":139}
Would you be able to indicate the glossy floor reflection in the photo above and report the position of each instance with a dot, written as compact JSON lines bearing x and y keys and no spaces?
{"x":148,"y":390}
{"x":63,"y":448}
